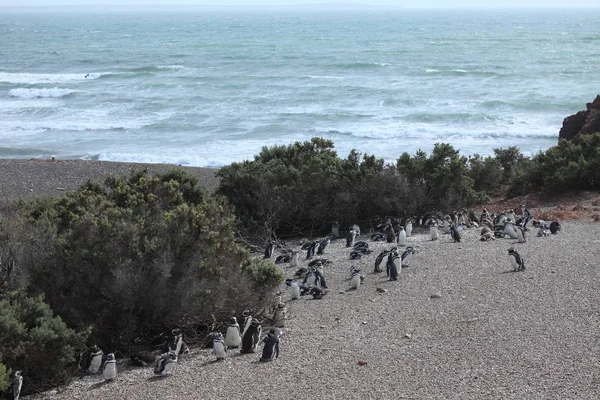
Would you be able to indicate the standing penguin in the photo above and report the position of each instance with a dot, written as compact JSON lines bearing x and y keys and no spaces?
{"x":165,"y":364}
{"x":379,"y":259}
{"x":294,"y":259}
{"x":180,"y":346}
{"x":245,"y":321}
{"x":323,"y":245}
{"x":110,"y":368}
{"x":516,"y":261}
{"x":554,"y":227}
{"x":16,"y":383}
{"x":295,"y":288}
{"x":402,"y":237}
{"x":269,"y":249}
{"x":280,"y":316}
{"x":92,"y":360}
{"x":409,"y":227}
{"x":433,"y":231}
{"x":521,"y":238}
{"x":233,"y":335}
{"x":407,"y":256}
{"x":355,"y":279}
{"x":219,"y":347}
{"x":350,"y":237}
{"x":251,"y":337}
{"x":455,"y":234}
{"x":391,"y":267}
{"x":271,"y":348}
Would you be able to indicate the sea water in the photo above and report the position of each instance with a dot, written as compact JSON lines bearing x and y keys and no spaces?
{"x":207,"y":87}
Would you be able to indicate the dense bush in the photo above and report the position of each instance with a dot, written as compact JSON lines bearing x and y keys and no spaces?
{"x":4,"y":377}
{"x":571,"y":165}
{"x":304,"y":187}
{"x":34,"y":340}
{"x":139,"y":255}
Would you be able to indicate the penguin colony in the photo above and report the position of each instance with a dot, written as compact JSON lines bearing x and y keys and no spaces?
{"x":245,"y":332}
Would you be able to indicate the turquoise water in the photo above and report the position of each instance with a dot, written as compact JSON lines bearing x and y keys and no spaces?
{"x":207,"y":88}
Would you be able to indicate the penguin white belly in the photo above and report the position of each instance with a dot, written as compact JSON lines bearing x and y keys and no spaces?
{"x":295,"y":291}
{"x":169,"y":367}
{"x":219,"y":350}
{"x":110,"y":370}
{"x":355,"y":282}
{"x":513,"y":263}
{"x":279,"y":318}
{"x":433,"y":232}
{"x":406,"y":260}
{"x":294,"y":259}
{"x":232,"y":336}
{"x":402,"y":238}
{"x":408,"y":229}
{"x":95,"y":365}
{"x":510,"y":231}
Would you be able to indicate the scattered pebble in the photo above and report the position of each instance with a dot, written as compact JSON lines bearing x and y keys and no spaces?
{"x":381,"y":290}
{"x":362,"y":362}
{"x":436,"y":295}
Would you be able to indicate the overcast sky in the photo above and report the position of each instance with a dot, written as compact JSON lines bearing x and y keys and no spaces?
{"x":397,"y":3}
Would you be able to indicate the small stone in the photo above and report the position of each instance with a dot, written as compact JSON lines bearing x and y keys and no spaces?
{"x":342,"y":292}
{"x":407,"y":336}
{"x":322,"y":326}
{"x":364,"y":322}
{"x":436,"y":295}
{"x":553,"y":271}
{"x":372,"y":300}
{"x":362,"y":362}
{"x":381,"y":290}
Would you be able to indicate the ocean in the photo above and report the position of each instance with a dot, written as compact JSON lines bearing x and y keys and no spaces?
{"x":208,"y":87}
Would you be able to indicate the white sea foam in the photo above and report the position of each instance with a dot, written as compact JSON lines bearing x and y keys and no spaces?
{"x":27,"y":93}
{"x":34,"y":79}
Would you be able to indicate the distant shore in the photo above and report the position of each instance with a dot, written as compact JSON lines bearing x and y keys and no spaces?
{"x":29,"y":178}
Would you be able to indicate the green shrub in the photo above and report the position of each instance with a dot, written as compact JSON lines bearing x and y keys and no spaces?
{"x":34,"y":340}
{"x":139,"y":255}
{"x":4,"y":378}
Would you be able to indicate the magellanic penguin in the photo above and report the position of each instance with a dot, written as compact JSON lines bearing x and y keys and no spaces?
{"x":433,"y":231}
{"x":323,"y":245}
{"x":165,"y":364}
{"x":294,"y":259}
{"x":355,"y":279}
{"x":402,"y":236}
{"x":244,"y":321}
{"x":510,"y":230}
{"x":233,"y":335}
{"x":271,"y":347}
{"x":269,"y":249}
{"x":179,"y":345}
{"x":407,"y":255}
{"x":92,"y":360}
{"x":379,"y":259}
{"x":280,"y":316}
{"x":219,"y":347}
{"x":455,"y":234}
{"x":408,"y":228}
{"x":521,"y":238}
{"x":516,"y":261}
{"x":317,"y":293}
{"x":350,"y":238}
{"x":295,"y":288}
{"x":251,"y":337}
{"x":16,"y":383}
{"x":109,"y":372}
{"x":391,"y":265}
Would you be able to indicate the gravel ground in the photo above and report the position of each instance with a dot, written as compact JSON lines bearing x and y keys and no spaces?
{"x":491,"y":334}
{"x":33,"y":178}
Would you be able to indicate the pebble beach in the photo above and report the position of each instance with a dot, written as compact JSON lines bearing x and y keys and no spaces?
{"x":458,"y":323}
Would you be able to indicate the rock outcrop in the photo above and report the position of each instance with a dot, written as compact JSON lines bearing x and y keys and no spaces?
{"x":582,"y":123}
